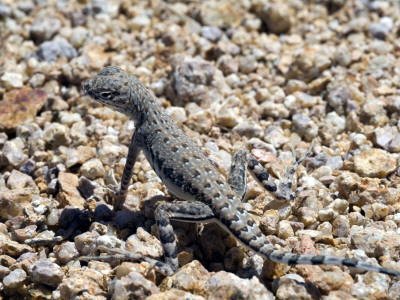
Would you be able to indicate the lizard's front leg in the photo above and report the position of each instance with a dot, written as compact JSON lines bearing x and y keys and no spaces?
{"x":120,"y":194}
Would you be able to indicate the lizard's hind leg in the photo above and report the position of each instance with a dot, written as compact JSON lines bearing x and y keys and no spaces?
{"x":237,"y":174}
{"x":191,"y":211}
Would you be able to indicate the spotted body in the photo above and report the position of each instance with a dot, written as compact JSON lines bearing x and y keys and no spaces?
{"x":189,"y":174}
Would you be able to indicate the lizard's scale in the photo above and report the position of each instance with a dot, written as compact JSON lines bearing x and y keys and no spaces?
{"x":188,"y":173}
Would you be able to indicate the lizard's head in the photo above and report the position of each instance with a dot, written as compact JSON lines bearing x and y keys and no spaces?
{"x":111,"y":86}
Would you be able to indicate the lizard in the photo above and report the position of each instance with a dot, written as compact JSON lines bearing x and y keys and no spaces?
{"x":188,"y":173}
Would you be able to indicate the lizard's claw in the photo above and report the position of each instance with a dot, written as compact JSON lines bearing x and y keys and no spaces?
{"x":117,"y":197}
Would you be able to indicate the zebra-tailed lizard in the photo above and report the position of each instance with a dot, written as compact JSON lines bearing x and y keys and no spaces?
{"x":189,"y":174}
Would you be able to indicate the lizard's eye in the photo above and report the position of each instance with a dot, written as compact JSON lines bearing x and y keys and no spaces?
{"x":107,"y":95}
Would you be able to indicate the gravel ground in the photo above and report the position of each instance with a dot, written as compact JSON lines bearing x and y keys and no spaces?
{"x":251,"y":73}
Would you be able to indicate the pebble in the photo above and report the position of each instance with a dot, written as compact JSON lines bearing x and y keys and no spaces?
{"x":69,"y":193}
{"x":56,"y":134}
{"x":47,"y":273}
{"x":189,"y":278}
{"x":132,"y":286}
{"x":83,"y":282}
{"x":85,"y":243}
{"x":44,"y":29}
{"x":15,"y":279}
{"x":92,"y":169}
{"x":276,"y":17}
{"x":51,"y":51}
{"x":223,"y":283}
{"x":12,"y":80}
{"x":65,"y":252}
{"x":13,"y":154}
{"x":374,"y":163}
{"x":144,"y":244}
{"x":304,"y":126}
{"x":211,"y":33}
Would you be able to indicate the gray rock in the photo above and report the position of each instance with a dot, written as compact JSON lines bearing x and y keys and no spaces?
{"x":47,"y":273}
{"x":66,"y":252}
{"x":132,"y":286}
{"x":227,"y":64}
{"x":56,"y":134}
{"x":44,"y":29}
{"x":337,"y":98}
{"x":18,"y":180}
{"x":224,"y":283}
{"x":92,"y":169}
{"x":304,"y":126}
{"x":211,"y":33}
{"x":15,"y":279}
{"x":276,"y":17}
{"x":13,"y":153}
{"x":381,"y":29}
{"x":85,"y":243}
{"x":51,"y":51}
{"x":5,"y":10}
{"x":194,"y":80}
{"x":247,"y":64}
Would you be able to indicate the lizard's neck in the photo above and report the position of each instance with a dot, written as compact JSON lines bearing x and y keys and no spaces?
{"x":144,"y":108}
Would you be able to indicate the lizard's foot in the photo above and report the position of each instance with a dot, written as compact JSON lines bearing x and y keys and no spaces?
{"x":117,"y":196}
{"x":284,"y":192}
{"x":113,"y":254}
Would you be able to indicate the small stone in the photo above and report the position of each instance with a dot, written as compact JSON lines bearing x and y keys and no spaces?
{"x":373,"y":113}
{"x":56,"y":134}
{"x":190,"y":278}
{"x":13,"y":203}
{"x":223,"y":14}
{"x":13,"y":153}
{"x":178,"y":114}
{"x":5,"y":10}
{"x":376,"y":211}
{"x":374,"y":163}
{"x":288,"y":288}
{"x":44,"y":29}
{"x":79,"y":155}
{"x":51,"y":51}
{"x":68,"y":118}
{"x":47,"y":273}
{"x":82,"y":281}
{"x":304,"y":126}
{"x":92,"y":169}
{"x":276,"y":17}
{"x":20,"y":105}
{"x":381,"y":29}
{"x":341,"y":226}
{"x":248,"y":129}
{"x":247,"y":64}
{"x":139,"y":22}
{"x":174,"y":294}
{"x":275,"y":136}
{"x":69,"y":193}
{"x":132,"y":286}
{"x":211,"y":33}
{"x":65,"y":252}
{"x":275,"y":110}
{"x":305,"y":100}
{"x":18,"y":180}
{"x":394,"y":145}
{"x":227,"y":64}
{"x":15,"y":279}
{"x":86,"y":242}
{"x":144,"y":243}
{"x":284,"y":230}
{"x":223,"y":283}
{"x":12,"y":80}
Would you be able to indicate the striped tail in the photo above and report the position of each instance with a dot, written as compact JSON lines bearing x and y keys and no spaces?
{"x":303,"y":259}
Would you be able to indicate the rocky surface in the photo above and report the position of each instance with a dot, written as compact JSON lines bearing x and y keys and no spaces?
{"x":258,"y":74}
